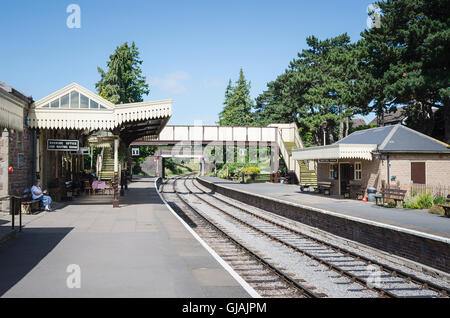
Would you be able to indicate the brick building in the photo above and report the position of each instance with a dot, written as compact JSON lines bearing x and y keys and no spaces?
{"x":16,"y":144}
{"x":394,"y":155}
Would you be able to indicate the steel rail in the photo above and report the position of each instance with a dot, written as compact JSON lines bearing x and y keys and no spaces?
{"x":303,"y":289}
{"x":354,"y":278}
{"x":443,"y":291}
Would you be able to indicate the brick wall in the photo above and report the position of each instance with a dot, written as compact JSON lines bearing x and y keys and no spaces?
{"x":420,"y":249}
{"x":369,"y":174}
{"x":437,"y":167}
{"x":21,"y":143}
{"x":11,"y":145}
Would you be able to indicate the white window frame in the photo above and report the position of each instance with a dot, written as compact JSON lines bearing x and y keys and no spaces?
{"x":331,"y":171}
{"x":358,"y":172}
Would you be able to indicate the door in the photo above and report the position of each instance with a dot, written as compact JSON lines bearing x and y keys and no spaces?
{"x":347,"y":174}
{"x":418,"y":172}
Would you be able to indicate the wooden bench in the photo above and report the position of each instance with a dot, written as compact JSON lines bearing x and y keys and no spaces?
{"x":324,"y":187}
{"x":28,"y":205}
{"x":446,"y":207}
{"x":357,"y":191}
{"x":388,"y":194}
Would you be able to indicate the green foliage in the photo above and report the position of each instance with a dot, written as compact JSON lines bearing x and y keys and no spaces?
{"x":402,"y":62}
{"x":87,"y":159}
{"x":172,"y":166}
{"x":237,"y":104}
{"x":123,"y":82}
{"x":406,"y":60}
{"x":439,"y":199}
{"x":362,"y":127}
{"x":317,"y":91}
{"x":144,"y":152}
{"x":252,"y":170}
{"x":391,"y":204}
{"x":421,"y":201}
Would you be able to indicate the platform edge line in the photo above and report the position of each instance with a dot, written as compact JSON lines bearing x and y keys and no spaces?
{"x":252,"y":292}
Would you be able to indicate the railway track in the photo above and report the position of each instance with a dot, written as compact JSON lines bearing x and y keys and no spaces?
{"x":349,"y":268}
{"x":387,"y":270}
{"x":266,"y":278}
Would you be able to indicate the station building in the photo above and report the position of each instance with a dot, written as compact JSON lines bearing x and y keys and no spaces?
{"x":389,"y":155}
{"x":16,"y":144}
{"x":43,"y":139}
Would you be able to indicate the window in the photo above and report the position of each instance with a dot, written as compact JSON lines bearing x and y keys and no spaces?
{"x":84,"y":101}
{"x":19,"y":140}
{"x":74,"y":100}
{"x":358,"y":170}
{"x":333,"y":171}
{"x":65,"y":101}
{"x":94,"y":104}
{"x":20,"y":161}
{"x":55,"y":104}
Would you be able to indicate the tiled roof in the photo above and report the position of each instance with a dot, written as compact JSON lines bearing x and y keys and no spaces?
{"x":396,"y":138}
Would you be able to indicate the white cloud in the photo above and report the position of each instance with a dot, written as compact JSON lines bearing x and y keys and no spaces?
{"x":172,"y":83}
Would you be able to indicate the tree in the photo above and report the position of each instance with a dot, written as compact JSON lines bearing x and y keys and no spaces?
{"x":237,"y":104}
{"x":317,"y":91}
{"x":123,"y":82}
{"x":407,"y":59}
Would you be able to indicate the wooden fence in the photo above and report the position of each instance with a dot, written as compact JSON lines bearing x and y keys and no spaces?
{"x":415,"y":188}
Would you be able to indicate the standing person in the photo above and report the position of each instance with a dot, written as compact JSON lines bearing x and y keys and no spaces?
{"x":38,"y":194}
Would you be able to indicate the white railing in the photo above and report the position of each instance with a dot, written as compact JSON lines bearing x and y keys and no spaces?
{"x":292,"y":165}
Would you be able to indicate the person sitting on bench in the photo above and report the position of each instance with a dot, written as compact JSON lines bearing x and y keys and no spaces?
{"x":38,"y":194}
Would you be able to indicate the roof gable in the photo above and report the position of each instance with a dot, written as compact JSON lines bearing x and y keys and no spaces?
{"x":74,"y":96}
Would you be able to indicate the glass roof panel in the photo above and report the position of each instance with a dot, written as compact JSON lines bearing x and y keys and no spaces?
{"x":55,"y":104}
{"x":84,"y":101}
{"x":74,"y":99}
{"x":65,"y":101}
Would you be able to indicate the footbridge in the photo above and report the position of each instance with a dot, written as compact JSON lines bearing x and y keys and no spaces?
{"x":230,"y":144}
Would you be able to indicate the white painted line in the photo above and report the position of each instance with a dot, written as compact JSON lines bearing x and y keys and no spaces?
{"x":249,"y":289}
{"x":339,"y":215}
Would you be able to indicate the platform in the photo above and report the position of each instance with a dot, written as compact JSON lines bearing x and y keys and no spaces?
{"x":416,"y":220}
{"x":138,"y":250}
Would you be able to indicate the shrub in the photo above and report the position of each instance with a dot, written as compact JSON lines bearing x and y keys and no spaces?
{"x":439,"y":199}
{"x":251,"y":170}
{"x":437,"y":210}
{"x":421,"y":201}
{"x":391,"y":204}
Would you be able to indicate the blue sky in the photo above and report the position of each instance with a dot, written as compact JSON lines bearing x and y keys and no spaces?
{"x":190,"y":48}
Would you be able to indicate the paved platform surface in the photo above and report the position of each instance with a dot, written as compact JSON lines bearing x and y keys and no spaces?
{"x":418,"y":220}
{"x":138,"y":250}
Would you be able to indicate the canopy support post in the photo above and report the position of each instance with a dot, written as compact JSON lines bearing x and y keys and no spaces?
{"x":116,"y":170}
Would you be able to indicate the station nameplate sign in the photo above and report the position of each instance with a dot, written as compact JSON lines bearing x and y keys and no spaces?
{"x":62,"y":145}
{"x":327,"y":160}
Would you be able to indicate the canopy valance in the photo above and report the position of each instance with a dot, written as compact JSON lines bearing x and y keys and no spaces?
{"x":336,"y":151}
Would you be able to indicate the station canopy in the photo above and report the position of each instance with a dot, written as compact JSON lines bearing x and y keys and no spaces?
{"x":75,"y":107}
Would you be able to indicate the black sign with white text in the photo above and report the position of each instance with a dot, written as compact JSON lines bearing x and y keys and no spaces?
{"x":62,"y":145}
